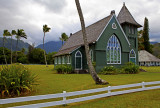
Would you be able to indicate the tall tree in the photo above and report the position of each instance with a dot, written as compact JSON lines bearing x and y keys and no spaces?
{"x":91,"y":68}
{"x":30,"y":49}
{"x":5,"y":33}
{"x":140,"y":40}
{"x":19,"y":34}
{"x":45,"y":30}
{"x":145,"y":36}
{"x":63,"y":37}
{"x":13,"y":33}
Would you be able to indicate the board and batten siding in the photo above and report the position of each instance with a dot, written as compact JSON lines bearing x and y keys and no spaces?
{"x":101,"y":45}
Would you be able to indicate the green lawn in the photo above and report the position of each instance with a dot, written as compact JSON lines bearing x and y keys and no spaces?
{"x":50,"y":83}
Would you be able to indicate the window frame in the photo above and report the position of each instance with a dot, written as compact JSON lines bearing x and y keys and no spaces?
{"x":68,"y":59}
{"x":132,"y":57}
{"x":63,"y":60}
{"x":59,"y":60}
{"x":113,"y":45}
{"x":76,"y":57}
{"x":91,"y":54}
{"x":55,"y":60}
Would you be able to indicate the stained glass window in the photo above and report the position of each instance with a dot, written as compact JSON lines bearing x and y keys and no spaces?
{"x":132,"y":56}
{"x":113,"y":51}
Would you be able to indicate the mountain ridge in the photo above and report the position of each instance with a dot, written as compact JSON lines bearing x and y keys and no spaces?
{"x":51,"y":46}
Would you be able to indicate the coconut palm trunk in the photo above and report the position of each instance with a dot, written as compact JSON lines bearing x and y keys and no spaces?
{"x":11,"y":49}
{"x":44,"y":51}
{"x":4,"y":52}
{"x":92,"y":71}
{"x":16,"y":50}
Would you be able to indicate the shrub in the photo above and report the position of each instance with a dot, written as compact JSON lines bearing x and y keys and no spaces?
{"x":130,"y":68}
{"x":64,"y":69}
{"x":109,"y":70}
{"x":15,"y":80}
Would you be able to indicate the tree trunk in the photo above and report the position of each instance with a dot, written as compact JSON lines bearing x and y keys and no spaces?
{"x":11,"y":49}
{"x":16,"y":50}
{"x":90,"y":66}
{"x":4,"y":52}
{"x":44,"y":51}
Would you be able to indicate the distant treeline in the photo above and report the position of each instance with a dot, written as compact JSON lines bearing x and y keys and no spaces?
{"x":33,"y":56}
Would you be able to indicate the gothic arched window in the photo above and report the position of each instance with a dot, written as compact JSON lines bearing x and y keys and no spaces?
{"x":132,"y":56}
{"x":113,"y":51}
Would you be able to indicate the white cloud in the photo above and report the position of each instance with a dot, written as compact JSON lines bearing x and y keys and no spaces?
{"x":62,"y":16}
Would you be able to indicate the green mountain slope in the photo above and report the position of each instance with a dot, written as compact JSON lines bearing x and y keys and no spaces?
{"x":156,"y":50}
{"x":21,"y":44}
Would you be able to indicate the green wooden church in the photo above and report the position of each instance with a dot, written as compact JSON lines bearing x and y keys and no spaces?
{"x":112,"y":41}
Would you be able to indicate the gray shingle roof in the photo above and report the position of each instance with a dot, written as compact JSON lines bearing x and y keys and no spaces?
{"x":145,"y":56}
{"x":75,"y":40}
{"x":125,"y":16}
{"x":93,"y":31}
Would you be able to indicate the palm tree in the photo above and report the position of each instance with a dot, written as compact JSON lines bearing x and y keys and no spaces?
{"x":5,"y":33}
{"x":13,"y":33}
{"x":45,"y":29}
{"x":91,"y":68}
{"x":20,"y":34}
{"x":63,"y":37}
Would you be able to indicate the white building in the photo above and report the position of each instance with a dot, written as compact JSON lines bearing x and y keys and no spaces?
{"x":147,"y":59}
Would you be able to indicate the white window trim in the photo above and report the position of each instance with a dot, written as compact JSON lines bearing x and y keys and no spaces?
{"x":113,"y":51}
{"x":91,"y":54}
{"x":63,"y":62}
{"x":55,"y":60}
{"x":132,"y":57}
{"x":68,"y":59}
{"x":75,"y":60}
{"x":59,"y":60}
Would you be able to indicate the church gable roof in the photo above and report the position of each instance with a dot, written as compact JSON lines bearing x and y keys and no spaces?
{"x":76,"y":40}
{"x":125,"y":16}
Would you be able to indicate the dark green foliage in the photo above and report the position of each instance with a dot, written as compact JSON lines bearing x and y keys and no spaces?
{"x":156,"y":50}
{"x":140,"y":40}
{"x":36,"y":56}
{"x":64,"y":69}
{"x":15,"y":80}
{"x":145,"y":36}
{"x":22,"y":58}
{"x":130,"y":68}
{"x":63,"y":37}
{"x":108,"y":70}
{"x":50,"y":58}
{"x":7,"y":53}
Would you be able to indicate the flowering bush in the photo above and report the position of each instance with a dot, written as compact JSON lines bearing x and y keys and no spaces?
{"x":15,"y":80}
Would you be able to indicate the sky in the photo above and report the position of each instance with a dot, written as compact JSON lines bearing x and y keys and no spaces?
{"x":61,"y":16}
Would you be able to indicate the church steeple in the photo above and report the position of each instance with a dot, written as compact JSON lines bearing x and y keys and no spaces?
{"x":125,"y":16}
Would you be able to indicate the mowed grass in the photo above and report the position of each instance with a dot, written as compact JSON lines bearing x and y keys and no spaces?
{"x":50,"y":83}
